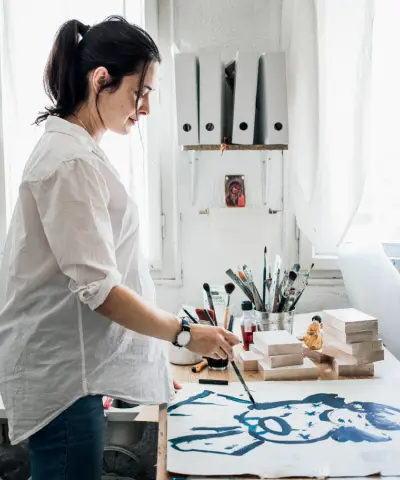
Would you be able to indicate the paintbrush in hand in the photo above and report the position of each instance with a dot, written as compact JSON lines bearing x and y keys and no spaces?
{"x":237,"y":371}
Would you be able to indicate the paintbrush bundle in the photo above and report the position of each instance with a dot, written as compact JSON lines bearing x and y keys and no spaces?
{"x":281,"y":290}
{"x":351,"y":338}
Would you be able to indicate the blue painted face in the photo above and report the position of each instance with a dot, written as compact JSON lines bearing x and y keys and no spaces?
{"x":318,"y":418}
{"x":313,"y":419}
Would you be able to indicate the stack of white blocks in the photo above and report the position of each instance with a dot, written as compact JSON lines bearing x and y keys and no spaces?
{"x":278,"y":356}
{"x":351,"y":337}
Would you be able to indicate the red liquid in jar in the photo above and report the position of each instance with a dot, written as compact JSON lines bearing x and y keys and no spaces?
{"x":247,"y":335}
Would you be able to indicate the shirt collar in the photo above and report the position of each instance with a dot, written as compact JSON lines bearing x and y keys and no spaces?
{"x":57,"y":124}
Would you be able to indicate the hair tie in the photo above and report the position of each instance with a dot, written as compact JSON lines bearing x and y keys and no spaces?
{"x":82,"y":28}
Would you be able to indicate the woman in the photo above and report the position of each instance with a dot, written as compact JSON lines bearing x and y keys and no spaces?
{"x":79,"y":319}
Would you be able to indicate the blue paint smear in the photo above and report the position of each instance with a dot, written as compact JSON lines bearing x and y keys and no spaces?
{"x":179,"y":415}
{"x":262,"y":427}
{"x":215,"y":429}
{"x":353,"y":434}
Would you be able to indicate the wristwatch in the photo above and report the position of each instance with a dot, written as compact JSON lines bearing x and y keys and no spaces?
{"x":183,"y":338}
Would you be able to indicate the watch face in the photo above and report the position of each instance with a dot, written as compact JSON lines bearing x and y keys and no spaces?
{"x":183,"y":338}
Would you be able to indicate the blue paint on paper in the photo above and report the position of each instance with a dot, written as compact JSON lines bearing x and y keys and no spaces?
{"x":231,"y":447}
{"x":271,"y":422}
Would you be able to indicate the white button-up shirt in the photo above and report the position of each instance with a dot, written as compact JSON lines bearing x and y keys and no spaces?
{"x":74,"y":235}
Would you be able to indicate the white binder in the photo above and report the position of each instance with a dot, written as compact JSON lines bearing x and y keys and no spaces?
{"x":272,"y":113}
{"x":246,"y":77}
{"x":212,"y":79}
{"x":187,"y":111}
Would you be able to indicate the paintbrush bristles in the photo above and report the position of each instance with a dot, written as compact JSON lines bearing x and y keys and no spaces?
{"x":229,"y":288}
{"x":206,"y":287}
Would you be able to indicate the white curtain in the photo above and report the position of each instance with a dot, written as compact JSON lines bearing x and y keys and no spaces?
{"x":378,"y":218}
{"x":372,"y":282}
{"x":27,"y":35}
{"x":328,"y":48}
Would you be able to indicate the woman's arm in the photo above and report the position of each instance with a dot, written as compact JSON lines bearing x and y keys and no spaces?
{"x":132,"y":311}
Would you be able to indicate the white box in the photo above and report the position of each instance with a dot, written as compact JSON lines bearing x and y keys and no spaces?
{"x":278,"y":342}
{"x":244,"y":110}
{"x":350,"y":320}
{"x":272,"y":113}
{"x":187,"y":107}
{"x":307,"y":371}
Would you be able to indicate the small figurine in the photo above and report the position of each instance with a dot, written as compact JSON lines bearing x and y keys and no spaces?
{"x":313,"y":338}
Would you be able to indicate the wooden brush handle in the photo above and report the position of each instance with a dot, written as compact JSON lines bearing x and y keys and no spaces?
{"x":226,"y":317}
{"x":199,"y":367}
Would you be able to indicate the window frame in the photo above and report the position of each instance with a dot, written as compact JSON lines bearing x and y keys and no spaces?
{"x":3,"y":198}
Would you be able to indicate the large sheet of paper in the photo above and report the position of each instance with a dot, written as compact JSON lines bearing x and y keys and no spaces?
{"x":316,"y":429}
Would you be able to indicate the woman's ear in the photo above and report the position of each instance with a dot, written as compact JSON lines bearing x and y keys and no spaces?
{"x":100,"y":78}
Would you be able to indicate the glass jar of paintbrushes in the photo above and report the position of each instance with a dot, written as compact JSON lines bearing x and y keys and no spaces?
{"x":281,"y":291}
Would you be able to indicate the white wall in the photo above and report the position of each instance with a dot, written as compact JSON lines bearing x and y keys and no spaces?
{"x":225,"y":238}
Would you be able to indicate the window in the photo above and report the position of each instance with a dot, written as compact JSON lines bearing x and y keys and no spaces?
{"x":322,"y":261}
{"x":27,"y":33}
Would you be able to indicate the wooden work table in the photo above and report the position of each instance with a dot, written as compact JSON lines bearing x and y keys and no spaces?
{"x":387,"y":369}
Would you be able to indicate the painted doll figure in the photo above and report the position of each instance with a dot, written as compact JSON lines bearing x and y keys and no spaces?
{"x":244,"y":426}
{"x":313,"y":338}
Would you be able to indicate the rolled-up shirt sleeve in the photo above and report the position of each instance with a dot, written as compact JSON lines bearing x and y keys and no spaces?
{"x":73,"y":207}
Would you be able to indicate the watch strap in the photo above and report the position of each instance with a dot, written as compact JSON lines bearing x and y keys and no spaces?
{"x":185,"y":328}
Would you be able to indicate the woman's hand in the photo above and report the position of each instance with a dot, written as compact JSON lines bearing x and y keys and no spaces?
{"x":212,"y":342}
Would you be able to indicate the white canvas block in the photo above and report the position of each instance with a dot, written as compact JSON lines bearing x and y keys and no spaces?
{"x":249,"y":360}
{"x":285,"y":360}
{"x":296,"y":429}
{"x":354,"y":348}
{"x":350,"y":320}
{"x":306,"y":370}
{"x":316,"y":355}
{"x":359,"y":359}
{"x":256,"y":350}
{"x":342,"y":368}
{"x":278,"y":342}
{"x":356,"y":337}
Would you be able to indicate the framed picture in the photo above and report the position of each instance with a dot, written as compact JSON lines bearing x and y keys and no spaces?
{"x":235,"y":195}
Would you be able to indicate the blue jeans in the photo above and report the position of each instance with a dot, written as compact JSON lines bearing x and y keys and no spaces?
{"x":71,"y":446}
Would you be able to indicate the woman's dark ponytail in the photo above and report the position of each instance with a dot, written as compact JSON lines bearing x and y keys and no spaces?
{"x":122,"y":48}
{"x":60,"y":77}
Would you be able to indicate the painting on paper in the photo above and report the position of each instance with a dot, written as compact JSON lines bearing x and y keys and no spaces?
{"x":337,"y":428}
